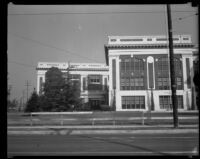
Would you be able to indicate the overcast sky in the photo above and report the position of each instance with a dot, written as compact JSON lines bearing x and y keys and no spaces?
{"x":50,"y":34}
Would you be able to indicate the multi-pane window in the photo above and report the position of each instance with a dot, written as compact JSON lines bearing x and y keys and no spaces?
{"x":74,"y":76}
{"x":105,"y":84}
{"x":163,"y":79}
{"x":133,"y":102}
{"x":75,"y":80}
{"x":84,"y":84}
{"x":95,"y":82}
{"x":163,"y":83}
{"x":163,"y":67}
{"x":94,"y":79}
{"x":131,"y":74}
{"x":179,"y":83}
{"x":166,"y":102}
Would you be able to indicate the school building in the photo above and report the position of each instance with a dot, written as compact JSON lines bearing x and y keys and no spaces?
{"x":136,"y":75}
{"x":139,"y":74}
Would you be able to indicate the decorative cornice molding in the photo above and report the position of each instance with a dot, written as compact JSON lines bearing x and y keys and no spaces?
{"x":150,"y":46}
{"x":75,"y":69}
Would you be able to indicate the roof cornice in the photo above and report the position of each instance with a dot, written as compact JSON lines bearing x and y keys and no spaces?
{"x":147,"y":46}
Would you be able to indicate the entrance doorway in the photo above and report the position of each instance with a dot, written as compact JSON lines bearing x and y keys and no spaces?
{"x":95,"y":104}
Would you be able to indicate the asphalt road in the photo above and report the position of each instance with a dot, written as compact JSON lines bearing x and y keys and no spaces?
{"x":119,"y":144}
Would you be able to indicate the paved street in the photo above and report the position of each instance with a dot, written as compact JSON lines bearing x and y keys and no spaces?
{"x":98,"y":144}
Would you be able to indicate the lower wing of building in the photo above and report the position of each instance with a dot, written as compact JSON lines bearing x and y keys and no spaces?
{"x":91,"y":77}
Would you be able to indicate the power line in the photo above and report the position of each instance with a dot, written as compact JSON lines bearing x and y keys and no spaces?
{"x":22,"y":64}
{"x":181,"y":18}
{"x":131,"y":12}
{"x":50,"y":46}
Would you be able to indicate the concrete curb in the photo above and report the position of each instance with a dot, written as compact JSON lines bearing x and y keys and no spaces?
{"x":100,"y":126}
{"x":79,"y":132}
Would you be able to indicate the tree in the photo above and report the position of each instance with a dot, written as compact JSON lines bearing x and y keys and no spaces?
{"x":60,"y":94}
{"x":53,"y":87}
{"x":43,"y":103}
{"x":196,"y":82}
{"x":71,"y":95}
{"x":32,"y":104}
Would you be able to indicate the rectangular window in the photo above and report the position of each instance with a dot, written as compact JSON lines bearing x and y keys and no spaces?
{"x":166,"y":102}
{"x":185,"y":38}
{"x":142,"y":102}
{"x":163,"y":80}
{"x":95,"y":82}
{"x":131,"y":39}
{"x":113,"y":40}
{"x":132,"y":70}
{"x":74,"y":76}
{"x":122,"y":66}
{"x":161,"y":39}
{"x":136,"y":82}
{"x":188,"y":73}
{"x":127,"y":64}
{"x":84,"y":83}
{"x":105,"y":84}
{"x":133,"y":102}
{"x":128,"y":102}
{"x":94,"y":79}
{"x":123,"y":102}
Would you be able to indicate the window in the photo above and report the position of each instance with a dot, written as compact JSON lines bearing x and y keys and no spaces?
{"x":163,"y":80}
{"x":163,"y":83}
{"x":105,"y":84}
{"x":74,"y":76}
{"x":161,"y":39}
{"x":94,"y":79}
{"x":95,"y":82}
{"x":131,"y":73}
{"x":84,"y":84}
{"x":178,"y":83}
{"x":166,"y":103}
{"x":113,"y":40}
{"x":133,"y":102}
{"x":131,"y":39}
{"x":185,"y":38}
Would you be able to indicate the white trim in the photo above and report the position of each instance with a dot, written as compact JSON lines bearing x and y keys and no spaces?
{"x":150,"y":59}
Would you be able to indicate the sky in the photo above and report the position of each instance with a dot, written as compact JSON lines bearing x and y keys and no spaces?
{"x":78,"y":33}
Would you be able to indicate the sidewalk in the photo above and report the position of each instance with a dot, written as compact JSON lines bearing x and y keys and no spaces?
{"x":100,"y":129}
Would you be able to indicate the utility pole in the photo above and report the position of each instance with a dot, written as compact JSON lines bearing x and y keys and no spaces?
{"x":9,"y":92}
{"x":27,"y":85}
{"x":23,"y":100}
{"x":68,"y":74}
{"x":172,"y":72}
